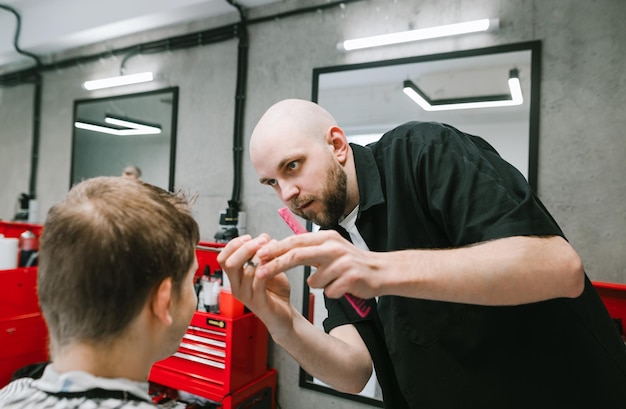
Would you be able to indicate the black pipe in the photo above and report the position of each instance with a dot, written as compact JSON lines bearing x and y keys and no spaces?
{"x":17,"y":34}
{"x":36,"y":77}
{"x":240,"y":104}
{"x":231,"y":216}
{"x":34,"y":152}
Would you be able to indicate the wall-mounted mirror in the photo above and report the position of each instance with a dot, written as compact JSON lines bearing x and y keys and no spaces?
{"x":368,"y":99}
{"x":126,"y":130}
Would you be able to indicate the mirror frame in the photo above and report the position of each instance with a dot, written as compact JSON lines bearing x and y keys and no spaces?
{"x":173,"y":91}
{"x":305,"y":380}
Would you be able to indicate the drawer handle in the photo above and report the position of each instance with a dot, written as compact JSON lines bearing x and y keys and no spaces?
{"x":205,"y":350}
{"x":200,"y":360}
{"x":208,"y":331}
{"x":208,"y":341}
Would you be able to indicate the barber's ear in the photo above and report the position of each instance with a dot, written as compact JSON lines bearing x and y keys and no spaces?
{"x":338,"y":140}
{"x":162,"y":300}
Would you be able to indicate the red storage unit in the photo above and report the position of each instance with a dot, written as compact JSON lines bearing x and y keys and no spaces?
{"x":23,"y":332}
{"x":217,"y":356}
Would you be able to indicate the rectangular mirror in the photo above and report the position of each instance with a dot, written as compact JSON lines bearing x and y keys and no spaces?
{"x":139,"y":130}
{"x":368,"y":99}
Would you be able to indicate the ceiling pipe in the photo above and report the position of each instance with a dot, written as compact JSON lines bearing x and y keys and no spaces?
{"x":33,"y":76}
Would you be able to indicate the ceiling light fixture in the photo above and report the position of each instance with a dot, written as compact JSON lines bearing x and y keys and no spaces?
{"x":421,"y":34}
{"x":487,"y":101}
{"x":117,"y":81}
{"x":133,"y":128}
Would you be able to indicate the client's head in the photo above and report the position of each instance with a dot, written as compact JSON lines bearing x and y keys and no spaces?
{"x":108,"y":250}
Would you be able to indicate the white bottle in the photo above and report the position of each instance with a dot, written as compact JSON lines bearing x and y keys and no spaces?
{"x":204,"y":280}
{"x":8,"y":252}
{"x":208,"y":295}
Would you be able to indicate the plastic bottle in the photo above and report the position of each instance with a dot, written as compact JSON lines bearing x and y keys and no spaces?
{"x":29,"y":248}
{"x":202,"y":288}
{"x":216,"y":280}
{"x":211,"y":293}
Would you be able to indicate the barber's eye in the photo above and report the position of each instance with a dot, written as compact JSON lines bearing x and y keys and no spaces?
{"x":293,"y":165}
{"x":271,"y":182}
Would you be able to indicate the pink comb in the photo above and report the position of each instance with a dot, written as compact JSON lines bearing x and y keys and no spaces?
{"x":357,"y":303}
{"x":291,"y":220}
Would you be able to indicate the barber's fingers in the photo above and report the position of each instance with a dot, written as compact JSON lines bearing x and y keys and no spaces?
{"x":311,"y":249}
{"x":239,"y":252}
{"x":278,"y":248}
{"x":224,"y":255}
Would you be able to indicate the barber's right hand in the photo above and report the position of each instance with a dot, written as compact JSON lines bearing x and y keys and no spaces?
{"x":267,"y":298}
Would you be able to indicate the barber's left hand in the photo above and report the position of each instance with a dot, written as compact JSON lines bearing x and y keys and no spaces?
{"x":340,"y":266}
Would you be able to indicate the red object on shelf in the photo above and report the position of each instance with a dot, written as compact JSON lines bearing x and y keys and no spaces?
{"x":229,"y":305}
{"x":207,"y":252}
{"x":23,"y":332}
{"x":217,"y":356}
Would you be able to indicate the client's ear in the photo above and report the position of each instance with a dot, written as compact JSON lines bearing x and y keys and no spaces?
{"x":161,"y":301}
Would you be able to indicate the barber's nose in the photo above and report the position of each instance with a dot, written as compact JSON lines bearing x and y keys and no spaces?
{"x":288,"y":191}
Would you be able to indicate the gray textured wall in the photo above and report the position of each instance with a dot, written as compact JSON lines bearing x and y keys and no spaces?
{"x":582,"y":142}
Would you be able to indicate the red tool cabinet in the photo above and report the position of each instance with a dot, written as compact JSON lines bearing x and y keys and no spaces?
{"x":216,"y":356}
{"x":23,"y":332}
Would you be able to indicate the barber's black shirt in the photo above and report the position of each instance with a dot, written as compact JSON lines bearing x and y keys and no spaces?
{"x":430,"y":186}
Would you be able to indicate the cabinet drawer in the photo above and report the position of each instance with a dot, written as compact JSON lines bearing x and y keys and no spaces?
{"x":219,"y":353}
{"x":19,"y":292}
{"x":23,"y":334}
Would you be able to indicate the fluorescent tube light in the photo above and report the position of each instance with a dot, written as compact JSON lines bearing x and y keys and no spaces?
{"x":146,"y":129}
{"x":117,"y":81}
{"x":134,"y":128}
{"x":421,"y":34}
{"x":493,"y":101}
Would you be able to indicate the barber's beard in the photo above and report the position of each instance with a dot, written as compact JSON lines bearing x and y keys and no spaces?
{"x":333,"y":199}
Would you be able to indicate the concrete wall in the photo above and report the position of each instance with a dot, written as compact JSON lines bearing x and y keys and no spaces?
{"x":582,"y":142}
